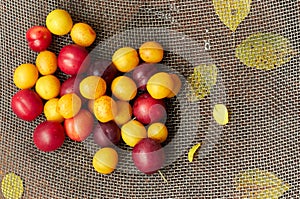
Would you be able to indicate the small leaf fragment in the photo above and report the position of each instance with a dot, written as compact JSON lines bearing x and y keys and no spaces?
{"x":202,"y":80}
{"x":220,"y":114}
{"x":274,"y":192}
{"x":232,"y":12}
{"x":192,"y":152}
{"x":258,"y":184}
{"x":12,"y":186}
{"x":264,"y":51}
{"x":163,"y":177}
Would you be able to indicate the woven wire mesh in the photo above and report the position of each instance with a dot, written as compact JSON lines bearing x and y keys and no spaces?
{"x":264,"y":105}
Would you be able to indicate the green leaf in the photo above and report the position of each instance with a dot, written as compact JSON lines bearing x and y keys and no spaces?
{"x":232,"y":12}
{"x":264,"y":51}
{"x":202,"y":80}
{"x":258,"y":184}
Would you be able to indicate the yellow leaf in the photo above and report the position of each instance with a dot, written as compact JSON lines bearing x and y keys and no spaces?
{"x":12,"y":186}
{"x":274,"y":192}
{"x":258,"y":184}
{"x":232,"y":12}
{"x":264,"y":51}
{"x":220,"y":114}
{"x":193,"y":151}
{"x":202,"y":80}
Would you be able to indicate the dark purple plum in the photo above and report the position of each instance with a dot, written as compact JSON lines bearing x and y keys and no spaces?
{"x":107,"y":134}
{"x":142,"y":73}
{"x":148,"y":156}
{"x":105,"y":69}
{"x":71,"y":85}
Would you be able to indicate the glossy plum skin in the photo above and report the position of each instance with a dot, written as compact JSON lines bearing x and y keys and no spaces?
{"x":149,"y":110}
{"x":39,"y":38}
{"x":148,"y":156}
{"x":73,"y":59}
{"x":71,"y":85}
{"x":105,"y":69}
{"x":142,"y":73}
{"x":27,"y":104}
{"x":79,"y":127}
{"x":107,"y":134}
{"x":49,"y":136}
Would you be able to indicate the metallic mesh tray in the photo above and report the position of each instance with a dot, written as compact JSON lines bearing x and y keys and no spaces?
{"x":264,"y":105}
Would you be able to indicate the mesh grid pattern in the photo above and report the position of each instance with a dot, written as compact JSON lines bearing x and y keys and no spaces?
{"x":264,"y":105}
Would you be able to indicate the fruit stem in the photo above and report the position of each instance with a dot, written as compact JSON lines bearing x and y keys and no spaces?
{"x":163,"y":177}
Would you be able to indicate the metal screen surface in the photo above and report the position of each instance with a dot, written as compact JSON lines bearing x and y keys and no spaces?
{"x":264,"y":120}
